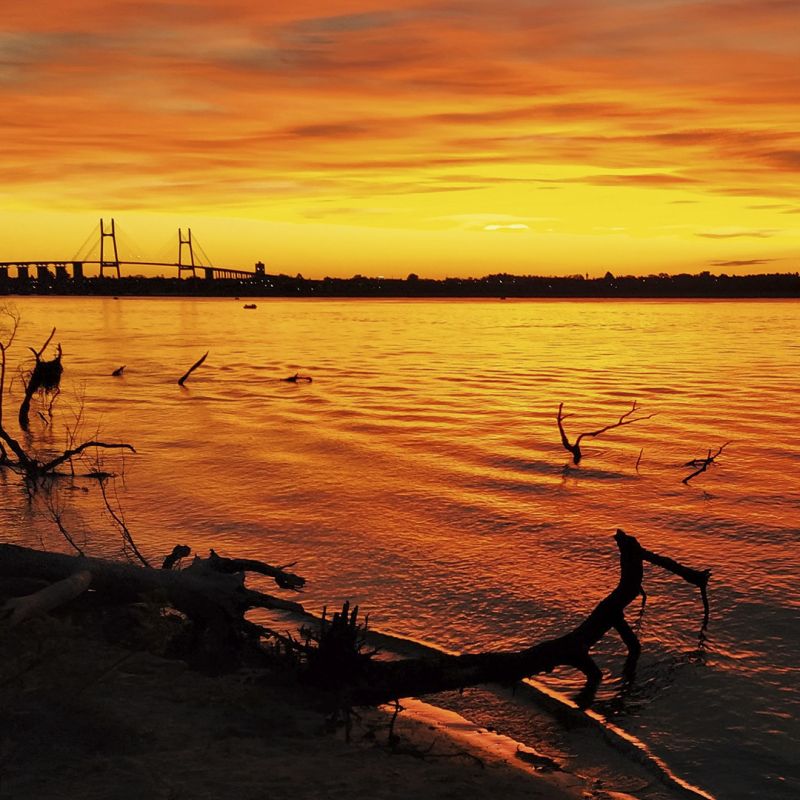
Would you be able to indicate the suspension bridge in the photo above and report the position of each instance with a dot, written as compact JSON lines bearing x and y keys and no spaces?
{"x":104,"y":254}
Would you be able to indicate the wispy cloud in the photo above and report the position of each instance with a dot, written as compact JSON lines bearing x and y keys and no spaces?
{"x":742,"y":262}
{"x":737,"y":234}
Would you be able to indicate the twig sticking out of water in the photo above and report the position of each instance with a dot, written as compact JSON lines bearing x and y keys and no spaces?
{"x":192,"y":368}
{"x":702,"y":464}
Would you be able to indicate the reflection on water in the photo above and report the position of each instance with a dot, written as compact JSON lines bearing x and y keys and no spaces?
{"x":421,"y":475}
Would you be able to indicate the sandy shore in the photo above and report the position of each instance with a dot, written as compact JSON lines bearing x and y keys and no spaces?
{"x":82,"y":718}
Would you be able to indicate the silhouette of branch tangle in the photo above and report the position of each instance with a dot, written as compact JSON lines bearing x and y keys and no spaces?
{"x":575,"y":447}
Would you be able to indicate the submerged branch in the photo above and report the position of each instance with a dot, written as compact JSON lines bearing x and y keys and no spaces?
{"x":575,"y":448}
{"x":702,"y":464}
{"x":191,"y":369}
{"x":49,"y":466}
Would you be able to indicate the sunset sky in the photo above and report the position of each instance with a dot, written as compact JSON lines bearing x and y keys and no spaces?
{"x":374,"y":137}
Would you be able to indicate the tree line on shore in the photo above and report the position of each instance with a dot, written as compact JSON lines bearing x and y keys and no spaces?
{"x":498,"y":285}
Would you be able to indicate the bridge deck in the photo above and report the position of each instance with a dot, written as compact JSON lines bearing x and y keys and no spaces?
{"x":217,"y":272}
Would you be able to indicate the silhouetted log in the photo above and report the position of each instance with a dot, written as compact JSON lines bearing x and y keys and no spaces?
{"x":205,"y":596}
{"x":284,"y":579}
{"x":178,"y":552}
{"x":191,"y":369}
{"x":384,"y":681}
{"x":575,"y":448}
{"x":18,"y":609}
{"x":118,"y":371}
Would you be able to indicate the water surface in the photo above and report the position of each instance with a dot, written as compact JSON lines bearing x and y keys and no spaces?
{"x":421,"y":476}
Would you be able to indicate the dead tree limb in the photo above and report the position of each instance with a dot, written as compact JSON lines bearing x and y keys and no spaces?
{"x":284,"y":579}
{"x":385,"y":681}
{"x":201,"y":594}
{"x":575,"y":448}
{"x":45,"y":377}
{"x":119,"y":518}
{"x":191,"y":369}
{"x":49,"y":466}
{"x":18,"y":609}
{"x":702,"y":464}
{"x":178,"y":552}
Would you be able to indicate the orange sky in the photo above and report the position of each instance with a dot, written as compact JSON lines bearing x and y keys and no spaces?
{"x":444,"y":138}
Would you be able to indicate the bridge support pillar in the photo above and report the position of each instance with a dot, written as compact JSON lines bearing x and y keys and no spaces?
{"x":77,"y":270}
{"x":209,"y":272}
{"x":108,"y":263}
{"x":186,"y":241}
{"x":22,"y":272}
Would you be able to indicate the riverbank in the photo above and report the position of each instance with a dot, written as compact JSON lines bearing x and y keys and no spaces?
{"x":84,"y":718}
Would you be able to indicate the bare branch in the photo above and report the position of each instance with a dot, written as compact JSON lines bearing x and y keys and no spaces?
{"x":575,"y":448}
{"x":7,"y":339}
{"x":38,"y":353}
{"x":286,"y":580}
{"x":76,"y":451}
{"x":702,"y":464}
{"x":192,"y":368}
{"x":56,"y":514}
{"x":118,"y":517}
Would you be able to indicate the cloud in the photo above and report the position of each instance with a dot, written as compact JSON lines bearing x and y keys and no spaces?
{"x":515,"y":226}
{"x":737,"y":234}
{"x":647,"y":179}
{"x":747,"y":262}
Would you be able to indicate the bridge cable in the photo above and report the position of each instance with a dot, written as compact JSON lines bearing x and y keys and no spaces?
{"x":202,"y":252}
{"x":93,"y":235}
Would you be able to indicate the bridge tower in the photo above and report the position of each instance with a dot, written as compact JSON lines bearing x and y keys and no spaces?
{"x":107,"y":262}
{"x":185,"y":242}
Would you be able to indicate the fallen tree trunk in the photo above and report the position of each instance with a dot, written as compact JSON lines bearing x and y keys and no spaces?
{"x":18,"y":609}
{"x":385,"y":681}
{"x":202,"y":594}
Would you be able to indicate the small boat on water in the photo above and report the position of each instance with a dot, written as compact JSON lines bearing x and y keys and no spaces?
{"x":250,"y":305}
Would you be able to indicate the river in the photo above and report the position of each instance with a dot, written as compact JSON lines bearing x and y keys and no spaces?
{"x":421,"y":476}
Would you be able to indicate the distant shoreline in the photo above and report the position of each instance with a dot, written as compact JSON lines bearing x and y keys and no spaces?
{"x":502,"y":286}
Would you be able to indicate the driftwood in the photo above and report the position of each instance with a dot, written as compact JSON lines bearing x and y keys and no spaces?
{"x":575,"y":447}
{"x":385,"y":681}
{"x":178,"y":552}
{"x":191,"y":369}
{"x":202,"y":593}
{"x":18,"y":609}
{"x":284,"y":579}
{"x":216,"y":599}
{"x":702,"y":464}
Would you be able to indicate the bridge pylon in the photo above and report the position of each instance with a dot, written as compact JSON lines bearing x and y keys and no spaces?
{"x":185,"y":241}
{"x":108,"y":262}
